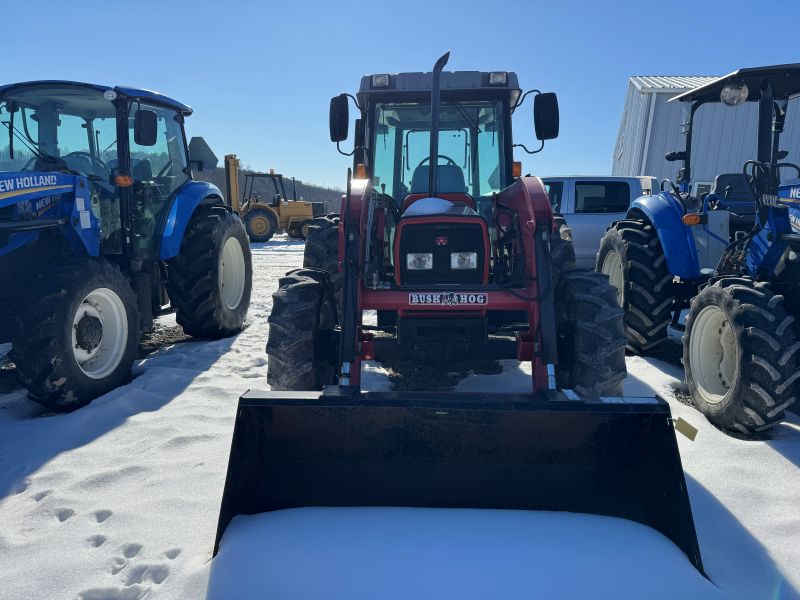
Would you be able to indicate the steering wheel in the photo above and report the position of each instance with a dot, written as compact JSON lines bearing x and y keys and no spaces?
{"x":674,"y":187}
{"x":92,"y":158}
{"x":791,"y":166}
{"x":164,"y":169}
{"x":449,"y":160}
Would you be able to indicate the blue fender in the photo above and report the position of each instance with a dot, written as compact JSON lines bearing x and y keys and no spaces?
{"x":191,"y":195}
{"x":664,"y":211}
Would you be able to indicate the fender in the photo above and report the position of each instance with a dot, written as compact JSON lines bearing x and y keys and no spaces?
{"x":664,"y":211}
{"x":191,"y":195}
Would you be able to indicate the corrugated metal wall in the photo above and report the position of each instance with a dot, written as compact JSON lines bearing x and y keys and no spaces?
{"x":630,"y":139}
{"x":724,"y":137}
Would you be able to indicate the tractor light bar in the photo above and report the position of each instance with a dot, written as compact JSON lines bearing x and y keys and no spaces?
{"x":464,"y":260}
{"x":381,"y":80}
{"x":419,"y":261}
{"x":498,"y":78}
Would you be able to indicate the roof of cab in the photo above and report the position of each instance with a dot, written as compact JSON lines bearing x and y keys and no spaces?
{"x":785,"y":81}
{"x":130,"y":92}
{"x":450,"y":81}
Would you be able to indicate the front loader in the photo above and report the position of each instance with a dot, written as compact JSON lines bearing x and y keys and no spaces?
{"x":460,"y":257}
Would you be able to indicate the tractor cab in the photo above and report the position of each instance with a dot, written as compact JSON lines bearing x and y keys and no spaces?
{"x":443,"y":223}
{"x":128,"y":146}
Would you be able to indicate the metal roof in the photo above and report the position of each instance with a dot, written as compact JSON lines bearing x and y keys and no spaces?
{"x":667,"y":84}
{"x":784,"y":80}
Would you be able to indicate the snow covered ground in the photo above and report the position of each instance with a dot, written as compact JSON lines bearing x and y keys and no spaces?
{"x":119,"y":500}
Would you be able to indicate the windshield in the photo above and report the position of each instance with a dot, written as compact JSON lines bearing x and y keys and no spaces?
{"x":470,"y":147}
{"x":55,"y":128}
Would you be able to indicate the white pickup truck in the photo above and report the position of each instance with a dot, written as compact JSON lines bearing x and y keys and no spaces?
{"x":591,"y":204}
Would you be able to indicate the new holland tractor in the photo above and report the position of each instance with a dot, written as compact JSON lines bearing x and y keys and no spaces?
{"x":461,"y":256}
{"x":101,"y":229}
{"x":729,"y":256}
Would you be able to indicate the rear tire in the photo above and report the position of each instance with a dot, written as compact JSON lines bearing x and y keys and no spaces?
{"x":631,"y":257}
{"x":210,"y":280}
{"x":740,"y":355}
{"x":77,"y":334}
{"x":590,"y":335}
{"x":261,"y":224}
{"x":302,"y":345}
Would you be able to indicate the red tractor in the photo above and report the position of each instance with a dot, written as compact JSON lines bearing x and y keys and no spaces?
{"x":461,"y":257}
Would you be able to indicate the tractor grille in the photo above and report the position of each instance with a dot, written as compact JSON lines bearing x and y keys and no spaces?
{"x":442,"y":239}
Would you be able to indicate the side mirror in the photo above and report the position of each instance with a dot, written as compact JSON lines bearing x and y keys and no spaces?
{"x":545,"y":116}
{"x":276,"y":200}
{"x":145,"y":128}
{"x":339,"y":118}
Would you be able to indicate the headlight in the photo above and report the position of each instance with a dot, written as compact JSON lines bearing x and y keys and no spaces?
{"x":419,"y":261}
{"x":734,"y":94}
{"x":497,"y":78}
{"x":381,"y":80}
{"x":464,"y":260}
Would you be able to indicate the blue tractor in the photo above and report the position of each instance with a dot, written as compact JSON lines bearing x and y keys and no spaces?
{"x":731,"y":256}
{"x":102,"y":227}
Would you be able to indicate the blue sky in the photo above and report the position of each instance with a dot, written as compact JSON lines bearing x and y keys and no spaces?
{"x":260,"y":74}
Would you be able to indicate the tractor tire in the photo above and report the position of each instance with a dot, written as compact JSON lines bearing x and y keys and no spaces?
{"x":562,"y":252}
{"x":631,"y":256}
{"x":740,"y":355}
{"x":210,"y":280}
{"x":590,"y":334}
{"x":322,"y":252}
{"x":305,"y":227}
{"x":302,"y":347}
{"x":261,"y":224}
{"x":76,"y":334}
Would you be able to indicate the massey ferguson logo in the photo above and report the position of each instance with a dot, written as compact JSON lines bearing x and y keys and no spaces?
{"x":447,"y":299}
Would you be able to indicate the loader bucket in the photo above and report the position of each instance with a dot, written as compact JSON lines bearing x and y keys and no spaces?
{"x":607,"y":456}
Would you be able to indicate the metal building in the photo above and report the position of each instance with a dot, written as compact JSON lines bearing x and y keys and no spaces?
{"x":723,"y":139}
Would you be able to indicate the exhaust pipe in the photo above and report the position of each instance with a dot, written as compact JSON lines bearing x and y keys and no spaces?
{"x":433,"y":161}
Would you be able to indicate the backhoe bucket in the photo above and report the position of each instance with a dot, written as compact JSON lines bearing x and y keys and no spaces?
{"x":607,"y":456}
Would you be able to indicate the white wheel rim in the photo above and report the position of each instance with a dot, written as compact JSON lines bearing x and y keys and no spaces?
{"x":231,"y":273}
{"x":98,"y":357}
{"x":612,"y":267}
{"x":713,"y":354}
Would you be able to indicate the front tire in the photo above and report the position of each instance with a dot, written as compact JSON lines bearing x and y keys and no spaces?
{"x":740,"y":355}
{"x":261,"y":224}
{"x":210,"y":280}
{"x":631,"y":257}
{"x":302,"y":345}
{"x":76,"y":336}
{"x":590,"y":335}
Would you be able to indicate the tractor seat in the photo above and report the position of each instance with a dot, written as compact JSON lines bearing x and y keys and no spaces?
{"x":450,"y":179}
{"x":740,"y":199}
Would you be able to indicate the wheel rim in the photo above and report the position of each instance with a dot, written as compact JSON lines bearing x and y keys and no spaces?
{"x":231,"y":273}
{"x":304,"y":230}
{"x":259,"y":225}
{"x":713,"y":354}
{"x":612,"y":267}
{"x":99,"y":333}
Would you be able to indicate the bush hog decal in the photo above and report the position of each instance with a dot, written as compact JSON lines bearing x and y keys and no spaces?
{"x":447,"y":299}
